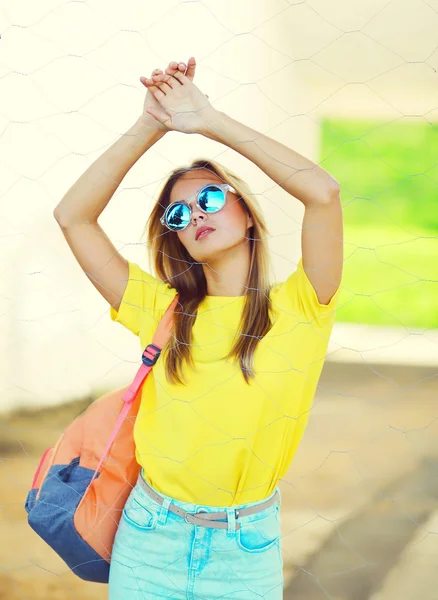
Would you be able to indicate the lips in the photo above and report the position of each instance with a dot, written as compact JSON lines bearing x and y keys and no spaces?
{"x":202,"y":229}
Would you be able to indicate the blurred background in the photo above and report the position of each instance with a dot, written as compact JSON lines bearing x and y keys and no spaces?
{"x":351,"y":85}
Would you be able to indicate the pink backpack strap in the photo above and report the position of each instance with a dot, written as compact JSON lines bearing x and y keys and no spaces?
{"x":149,"y":357}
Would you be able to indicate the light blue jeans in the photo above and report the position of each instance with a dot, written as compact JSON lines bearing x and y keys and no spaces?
{"x":157,"y":554}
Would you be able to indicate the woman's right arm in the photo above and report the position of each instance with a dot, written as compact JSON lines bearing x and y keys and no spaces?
{"x":78,"y":211}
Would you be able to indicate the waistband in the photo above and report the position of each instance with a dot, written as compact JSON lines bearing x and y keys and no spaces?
{"x":207,"y":519}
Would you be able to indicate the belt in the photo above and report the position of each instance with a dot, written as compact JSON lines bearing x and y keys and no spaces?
{"x":212,"y":516}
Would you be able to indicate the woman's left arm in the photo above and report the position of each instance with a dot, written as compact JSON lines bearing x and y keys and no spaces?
{"x":183,"y":107}
{"x":297,"y":175}
{"x":322,"y":231}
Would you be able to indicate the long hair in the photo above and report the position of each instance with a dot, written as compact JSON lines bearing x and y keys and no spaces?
{"x":173,"y":264}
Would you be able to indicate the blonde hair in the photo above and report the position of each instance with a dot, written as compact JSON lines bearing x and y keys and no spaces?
{"x":170,"y":259}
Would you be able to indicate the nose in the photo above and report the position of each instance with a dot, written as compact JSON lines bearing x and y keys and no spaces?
{"x":197,"y":214}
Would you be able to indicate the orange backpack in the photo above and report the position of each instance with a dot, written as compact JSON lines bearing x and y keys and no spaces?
{"x":77,"y":497}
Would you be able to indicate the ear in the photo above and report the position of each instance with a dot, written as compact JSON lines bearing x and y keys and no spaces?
{"x":249,"y":221}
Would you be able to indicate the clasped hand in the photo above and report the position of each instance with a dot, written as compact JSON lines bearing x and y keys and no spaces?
{"x":181,"y":106}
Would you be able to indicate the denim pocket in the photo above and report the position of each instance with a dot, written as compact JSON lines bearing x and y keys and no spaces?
{"x":139,"y":515}
{"x":260,"y":534}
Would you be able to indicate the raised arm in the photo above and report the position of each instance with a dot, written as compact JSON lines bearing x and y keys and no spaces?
{"x":80,"y":208}
{"x":78,"y":211}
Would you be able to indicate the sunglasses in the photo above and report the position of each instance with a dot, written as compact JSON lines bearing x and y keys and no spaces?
{"x":210,"y":199}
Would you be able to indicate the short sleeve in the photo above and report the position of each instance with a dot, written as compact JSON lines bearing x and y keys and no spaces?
{"x":143,"y":296}
{"x":301,"y":297}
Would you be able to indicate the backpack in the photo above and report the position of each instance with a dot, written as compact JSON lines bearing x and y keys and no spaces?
{"x":81,"y":484}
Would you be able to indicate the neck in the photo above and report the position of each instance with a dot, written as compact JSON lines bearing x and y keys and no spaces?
{"x":227,"y":275}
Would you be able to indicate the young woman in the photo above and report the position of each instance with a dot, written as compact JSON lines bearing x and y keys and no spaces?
{"x":226,"y":405}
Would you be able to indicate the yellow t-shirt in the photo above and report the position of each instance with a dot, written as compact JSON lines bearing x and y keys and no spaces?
{"x":218,"y":441}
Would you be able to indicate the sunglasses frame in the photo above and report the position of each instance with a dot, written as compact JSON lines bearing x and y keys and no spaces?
{"x":225,"y":187}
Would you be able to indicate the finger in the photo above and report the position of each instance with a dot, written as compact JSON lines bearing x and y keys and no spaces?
{"x":155,"y":72}
{"x":191,"y":66}
{"x":172,"y":67}
{"x":147,"y":82}
{"x":170,"y":71}
{"x":171,"y":81}
{"x":164,"y":86}
{"x":181,"y":78}
{"x":158,"y":93}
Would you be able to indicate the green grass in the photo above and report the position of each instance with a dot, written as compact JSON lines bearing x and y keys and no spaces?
{"x":389,"y":189}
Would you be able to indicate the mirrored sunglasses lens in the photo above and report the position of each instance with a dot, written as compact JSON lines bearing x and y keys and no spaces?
{"x":178,"y":217}
{"x":211,"y":199}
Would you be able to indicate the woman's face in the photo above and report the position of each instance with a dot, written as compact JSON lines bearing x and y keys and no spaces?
{"x":231,"y":223}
